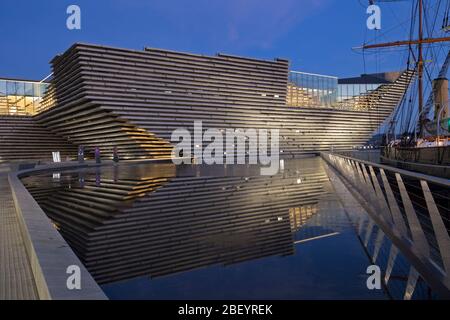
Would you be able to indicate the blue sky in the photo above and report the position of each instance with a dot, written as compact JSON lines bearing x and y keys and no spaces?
{"x":315,"y":35}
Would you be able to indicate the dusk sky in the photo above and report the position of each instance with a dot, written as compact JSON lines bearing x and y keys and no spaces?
{"x":315,"y":35}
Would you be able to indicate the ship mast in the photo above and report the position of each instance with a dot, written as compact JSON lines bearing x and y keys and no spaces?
{"x":420,"y":66}
{"x":420,"y":63}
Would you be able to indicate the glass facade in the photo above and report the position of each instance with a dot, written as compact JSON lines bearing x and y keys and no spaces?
{"x":312,"y":90}
{"x":347,"y":91}
{"x":304,"y":90}
{"x":21,"y":97}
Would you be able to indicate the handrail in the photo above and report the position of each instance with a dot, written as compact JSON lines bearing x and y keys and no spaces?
{"x":440,"y":181}
{"x":395,"y":213}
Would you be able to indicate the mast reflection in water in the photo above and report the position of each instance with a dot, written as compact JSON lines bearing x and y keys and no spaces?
{"x":157,"y":231}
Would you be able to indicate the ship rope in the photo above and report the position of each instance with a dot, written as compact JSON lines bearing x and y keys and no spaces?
{"x":405,"y":117}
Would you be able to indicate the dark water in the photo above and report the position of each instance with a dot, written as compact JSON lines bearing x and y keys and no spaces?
{"x":157,"y":231}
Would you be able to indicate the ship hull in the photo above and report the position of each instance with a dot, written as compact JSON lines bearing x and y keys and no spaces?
{"x":431,"y":161}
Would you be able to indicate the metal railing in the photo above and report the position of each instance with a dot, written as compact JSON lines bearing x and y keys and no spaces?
{"x":412,"y":209}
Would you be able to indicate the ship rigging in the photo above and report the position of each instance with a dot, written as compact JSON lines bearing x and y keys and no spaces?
{"x":423,"y":142}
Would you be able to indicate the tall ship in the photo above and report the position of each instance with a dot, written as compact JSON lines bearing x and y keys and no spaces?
{"x":416,"y":136}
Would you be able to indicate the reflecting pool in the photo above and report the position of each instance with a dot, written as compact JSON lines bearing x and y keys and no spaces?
{"x":159,"y":231}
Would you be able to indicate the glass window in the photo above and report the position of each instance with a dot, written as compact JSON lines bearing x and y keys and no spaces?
{"x":2,"y":87}
{"x":29,"y":89}
{"x":10,"y":88}
{"x":21,"y":97}
{"x":311,"y":90}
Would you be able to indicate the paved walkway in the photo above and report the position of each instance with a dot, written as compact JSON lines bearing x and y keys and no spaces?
{"x":16,"y":280}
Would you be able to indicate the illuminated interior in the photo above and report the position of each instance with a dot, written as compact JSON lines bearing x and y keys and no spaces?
{"x":313,"y":90}
{"x":19,"y":97}
{"x":300,"y":215}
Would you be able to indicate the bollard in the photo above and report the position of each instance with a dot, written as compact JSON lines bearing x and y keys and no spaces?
{"x":115,"y":155}
{"x":81,"y":154}
{"x":97,"y":155}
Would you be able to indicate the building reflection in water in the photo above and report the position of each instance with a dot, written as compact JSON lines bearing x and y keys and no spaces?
{"x":160,"y":219}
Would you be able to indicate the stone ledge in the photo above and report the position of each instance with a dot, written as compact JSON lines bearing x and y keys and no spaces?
{"x":48,"y":253}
